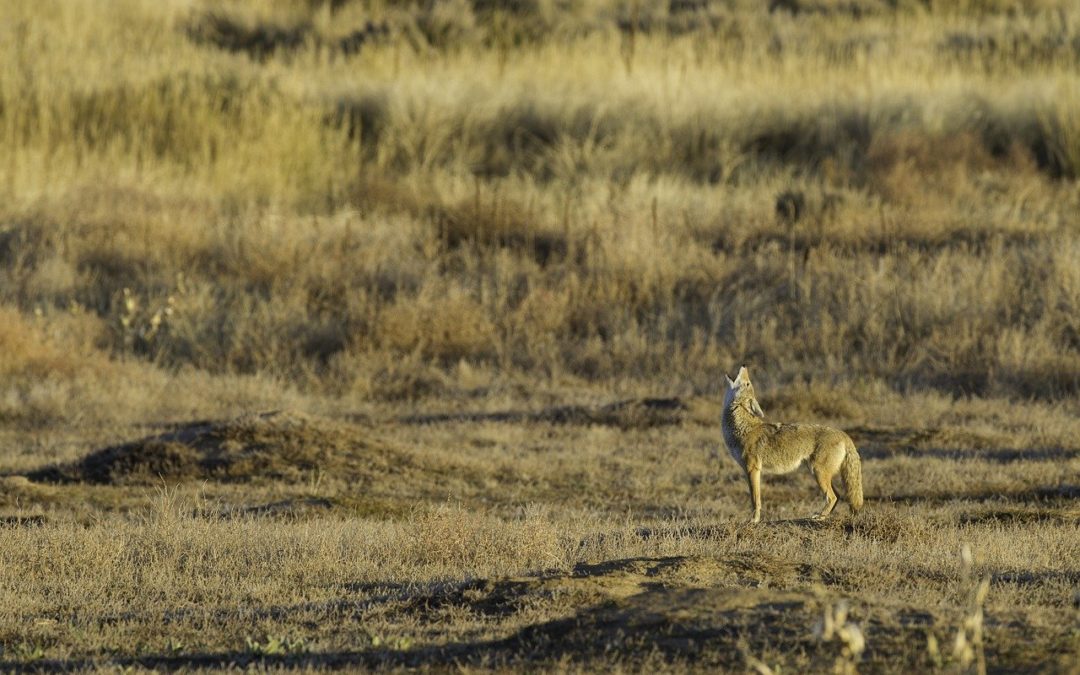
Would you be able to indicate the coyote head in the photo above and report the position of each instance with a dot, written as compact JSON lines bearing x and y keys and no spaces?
{"x":741,"y":392}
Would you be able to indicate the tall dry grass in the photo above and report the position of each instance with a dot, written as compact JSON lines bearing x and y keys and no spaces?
{"x":345,"y":194}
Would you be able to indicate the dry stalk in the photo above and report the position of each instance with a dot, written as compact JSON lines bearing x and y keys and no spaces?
{"x":753,"y":663}
{"x":968,"y":644}
{"x":834,"y":625}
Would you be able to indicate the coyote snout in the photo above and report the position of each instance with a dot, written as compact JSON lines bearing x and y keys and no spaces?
{"x":761,"y":446}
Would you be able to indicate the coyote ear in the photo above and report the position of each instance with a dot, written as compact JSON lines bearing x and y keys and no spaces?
{"x":730,"y":384}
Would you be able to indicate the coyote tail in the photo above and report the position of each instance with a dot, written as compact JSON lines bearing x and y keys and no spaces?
{"x":851,"y":472}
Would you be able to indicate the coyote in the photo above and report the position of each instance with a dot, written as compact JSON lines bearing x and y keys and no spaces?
{"x":758,"y":445}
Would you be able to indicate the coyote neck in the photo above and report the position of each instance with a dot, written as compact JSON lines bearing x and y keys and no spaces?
{"x":740,"y":425}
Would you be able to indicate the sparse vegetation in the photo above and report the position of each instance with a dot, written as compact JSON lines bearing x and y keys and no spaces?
{"x":371,"y":334}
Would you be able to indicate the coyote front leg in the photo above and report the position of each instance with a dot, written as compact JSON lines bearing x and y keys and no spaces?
{"x":753,"y":479}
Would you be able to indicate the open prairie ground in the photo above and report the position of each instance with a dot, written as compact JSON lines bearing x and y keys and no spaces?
{"x":391,"y":335}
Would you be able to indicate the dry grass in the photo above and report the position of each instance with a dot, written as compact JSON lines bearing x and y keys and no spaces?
{"x":511,"y":542}
{"x":487,"y":261}
{"x":800,"y":202}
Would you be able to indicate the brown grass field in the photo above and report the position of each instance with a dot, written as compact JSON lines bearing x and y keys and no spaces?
{"x":390,"y":334}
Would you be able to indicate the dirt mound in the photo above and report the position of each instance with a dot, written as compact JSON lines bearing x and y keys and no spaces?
{"x":283,"y":446}
{"x":689,"y":609}
{"x":700,"y":613}
{"x":700,"y":624}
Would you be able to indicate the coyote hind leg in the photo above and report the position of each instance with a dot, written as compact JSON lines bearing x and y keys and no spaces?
{"x":824,"y":481}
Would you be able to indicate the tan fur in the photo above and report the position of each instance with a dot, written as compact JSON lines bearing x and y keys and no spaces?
{"x":760,"y":446}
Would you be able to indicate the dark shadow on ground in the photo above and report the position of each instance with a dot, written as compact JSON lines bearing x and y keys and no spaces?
{"x":23,"y":521}
{"x":698,"y":625}
{"x":285,"y":508}
{"x":1039,"y":494}
{"x":887,"y":443}
{"x":995,"y":456}
{"x":1025,"y":578}
{"x":684,"y":610}
{"x":1020,"y":516}
{"x":630,"y":413}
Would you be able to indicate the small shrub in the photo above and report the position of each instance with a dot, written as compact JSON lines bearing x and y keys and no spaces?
{"x":455,"y":537}
{"x":444,"y":324}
